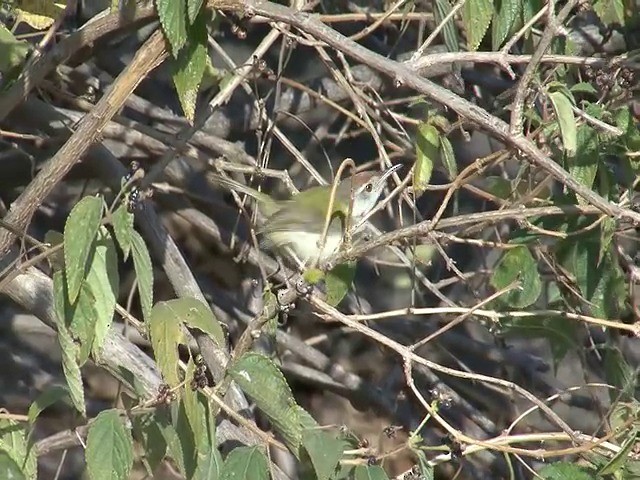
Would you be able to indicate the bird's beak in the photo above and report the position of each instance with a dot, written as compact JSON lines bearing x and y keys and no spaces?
{"x":383,"y":178}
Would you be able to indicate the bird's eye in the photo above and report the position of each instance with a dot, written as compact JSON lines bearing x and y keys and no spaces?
{"x":368,"y":187}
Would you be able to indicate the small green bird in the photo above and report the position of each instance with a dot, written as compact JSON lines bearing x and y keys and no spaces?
{"x":297,"y":223}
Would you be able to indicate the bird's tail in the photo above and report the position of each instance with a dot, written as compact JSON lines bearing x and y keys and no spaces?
{"x":238,"y":187}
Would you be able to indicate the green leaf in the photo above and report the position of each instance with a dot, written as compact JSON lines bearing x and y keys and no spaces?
{"x":122,"y":221}
{"x":245,"y":463}
{"x":195,"y":314}
{"x":448,"y":157}
{"x":449,"y":34}
{"x":601,"y":284}
{"x":78,"y":319}
{"x":209,"y":459}
{"x":173,"y":18}
{"x":476,"y":17}
{"x":9,"y":468}
{"x":426,"y":470}
{"x":607,"y":230}
{"x":14,"y":442}
{"x":69,"y":349}
{"x":261,"y":380}
{"x":47,"y":398}
{"x":568,"y":128}
{"x":338,"y":281}
{"x":181,"y":442}
{"x":370,"y":472}
{"x":427,"y":151}
{"x":622,"y":457}
{"x":507,"y":12}
{"x":193,"y":8}
{"x":325,"y":451}
{"x":144,"y":272}
{"x":12,"y":51}
{"x":195,"y":407}
{"x":619,"y":374}
{"x":190,"y":66}
{"x":559,"y":332}
{"x":583,"y":87}
{"x":166,"y":334}
{"x":610,"y":11}
{"x":585,"y":163}
{"x":80,"y":231}
{"x":565,"y":471}
{"x":56,"y":260}
{"x":104,"y":282}
{"x":147,"y":431}
{"x":529,"y":9}
{"x":517,"y":264}
{"x":109,"y":448}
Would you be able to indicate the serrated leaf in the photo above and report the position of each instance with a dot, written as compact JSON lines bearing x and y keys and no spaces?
{"x":338,"y":281}
{"x":529,"y":9}
{"x":47,"y":398}
{"x":507,"y":12}
{"x":9,"y":468}
{"x":190,"y":66}
{"x":607,"y":230}
{"x":166,"y":334}
{"x":370,"y":472}
{"x":104,"y":281}
{"x":195,"y":314}
{"x":619,"y":374}
{"x":173,"y":18}
{"x":78,"y":319}
{"x":499,"y":187}
{"x":448,"y":157}
{"x":518,"y":265}
{"x":39,"y":14}
{"x":449,"y":33}
{"x":122,"y":221}
{"x":195,"y":407}
{"x":313,"y":276}
{"x":610,"y":11}
{"x":426,"y":470}
{"x":146,"y":431}
{"x":583,"y":87}
{"x":601,"y":284}
{"x":12,"y":51}
{"x":69,"y":351}
{"x":560,"y":333}
{"x":109,"y":451}
{"x":14,"y":442}
{"x":567,"y":122}
{"x":584,"y":165}
{"x":245,"y":463}
{"x":476,"y":17}
{"x":144,"y":273}
{"x":56,"y":259}
{"x":325,"y":451}
{"x":565,"y":471}
{"x":427,"y":151}
{"x":80,"y":230}
{"x":621,"y":457}
{"x":181,"y":444}
{"x":193,"y":8}
{"x":261,"y":380}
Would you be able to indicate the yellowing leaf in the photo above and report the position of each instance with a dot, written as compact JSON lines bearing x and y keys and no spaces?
{"x":39,"y":14}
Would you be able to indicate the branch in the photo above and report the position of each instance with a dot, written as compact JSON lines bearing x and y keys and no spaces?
{"x":147,"y":58}
{"x":405,"y":76}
